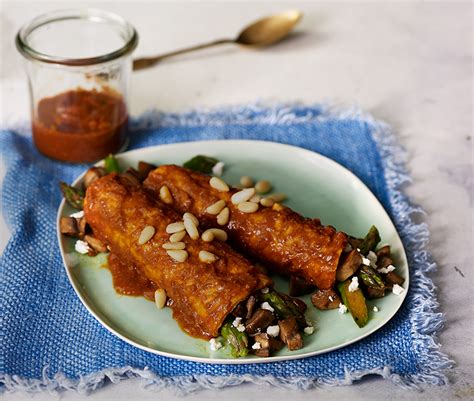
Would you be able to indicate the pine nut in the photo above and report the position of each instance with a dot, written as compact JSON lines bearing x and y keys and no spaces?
{"x":160,"y":298}
{"x":267,"y":202}
{"x":165,"y":195}
{"x":255,"y":198}
{"x":191,"y":229}
{"x":207,"y":257}
{"x":246,"y":181}
{"x":207,"y":236}
{"x":216,"y":233}
{"x":176,"y":237}
{"x":263,"y":186}
{"x":248,"y":207}
{"x":218,"y":169}
{"x":216,"y":208}
{"x":223,"y":217}
{"x":175,"y":227}
{"x":174,"y":245}
{"x":146,"y":235}
{"x":192,"y":217}
{"x":219,"y":184}
{"x":178,"y":255}
{"x":242,"y":196}
{"x":277,"y":197}
{"x":278,"y":207}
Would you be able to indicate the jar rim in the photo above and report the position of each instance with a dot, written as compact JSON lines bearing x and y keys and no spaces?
{"x":90,"y":14}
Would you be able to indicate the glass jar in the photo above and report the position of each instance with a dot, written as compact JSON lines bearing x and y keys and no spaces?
{"x":79,"y":65}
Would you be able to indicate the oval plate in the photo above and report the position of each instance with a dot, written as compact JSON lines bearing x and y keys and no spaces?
{"x":317,"y":187}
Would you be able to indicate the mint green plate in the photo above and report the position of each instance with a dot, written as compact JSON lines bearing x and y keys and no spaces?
{"x":316,"y":187}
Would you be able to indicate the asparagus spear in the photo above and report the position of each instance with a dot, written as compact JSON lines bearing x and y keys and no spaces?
{"x":370,"y":277}
{"x":111,"y":164}
{"x":370,"y":241}
{"x":237,"y":340}
{"x":73,"y":196}
{"x":283,"y":308}
{"x":202,"y":164}
{"x":355,"y":302}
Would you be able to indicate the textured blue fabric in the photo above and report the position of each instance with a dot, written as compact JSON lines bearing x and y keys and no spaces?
{"x":43,"y":323}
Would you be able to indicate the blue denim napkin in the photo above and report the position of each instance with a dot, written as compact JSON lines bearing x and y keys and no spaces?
{"x":49,"y":341}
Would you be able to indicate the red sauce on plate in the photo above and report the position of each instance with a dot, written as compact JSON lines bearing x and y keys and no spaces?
{"x":81,"y":125}
{"x":128,"y":280}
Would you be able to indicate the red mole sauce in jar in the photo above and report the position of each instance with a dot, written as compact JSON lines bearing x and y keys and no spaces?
{"x":81,"y":125}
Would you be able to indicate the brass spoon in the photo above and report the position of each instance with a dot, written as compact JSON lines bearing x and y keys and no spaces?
{"x":264,"y":32}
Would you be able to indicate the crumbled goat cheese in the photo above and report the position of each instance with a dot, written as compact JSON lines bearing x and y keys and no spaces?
{"x":397,"y":290}
{"x":241,"y":328}
{"x":365,"y":261}
{"x":309,"y":330}
{"x":376,"y":309}
{"x":214,"y":344}
{"x":388,"y":269}
{"x":82,"y":247}
{"x":372,"y":256}
{"x":342,"y":308}
{"x":237,"y":321}
{"x":354,"y":285}
{"x":218,"y":169}
{"x":257,"y":345}
{"x":273,"y":331}
{"x":267,"y":306}
{"x":78,"y":215}
{"x":265,"y":290}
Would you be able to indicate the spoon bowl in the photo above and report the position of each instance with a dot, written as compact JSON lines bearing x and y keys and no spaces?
{"x":269,"y":30}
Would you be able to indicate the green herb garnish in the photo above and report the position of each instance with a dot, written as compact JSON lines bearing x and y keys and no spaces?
{"x":111,"y":164}
{"x":202,"y":164}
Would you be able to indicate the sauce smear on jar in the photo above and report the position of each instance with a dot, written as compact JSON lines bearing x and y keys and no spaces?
{"x":81,"y":125}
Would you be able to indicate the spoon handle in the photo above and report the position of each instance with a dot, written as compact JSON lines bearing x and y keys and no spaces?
{"x":145,"y":62}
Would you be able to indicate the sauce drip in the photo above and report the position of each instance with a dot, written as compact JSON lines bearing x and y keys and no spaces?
{"x":128,"y":280}
{"x":81,"y":125}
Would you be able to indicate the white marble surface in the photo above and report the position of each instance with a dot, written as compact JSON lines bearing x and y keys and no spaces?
{"x":409,"y":63}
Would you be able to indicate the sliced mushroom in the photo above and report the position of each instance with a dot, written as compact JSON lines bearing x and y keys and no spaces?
{"x":68,"y":226}
{"x":355,"y":242}
{"x":259,"y":321}
{"x":326,"y":299}
{"x":394,"y":278}
{"x":240,"y":310}
{"x":384,"y":251}
{"x":93,"y":174}
{"x":132,"y":176}
{"x":144,"y":169}
{"x":251,"y":301}
{"x":268,"y":345}
{"x":300,"y":304}
{"x":95,"y":243}
{"x":82,"y":226}
{"x":375,"y":292}
{"x":383,"y":262}
{"x":349,"y":266}
{"x":299,"y":286}
{"x":289,"y":333}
